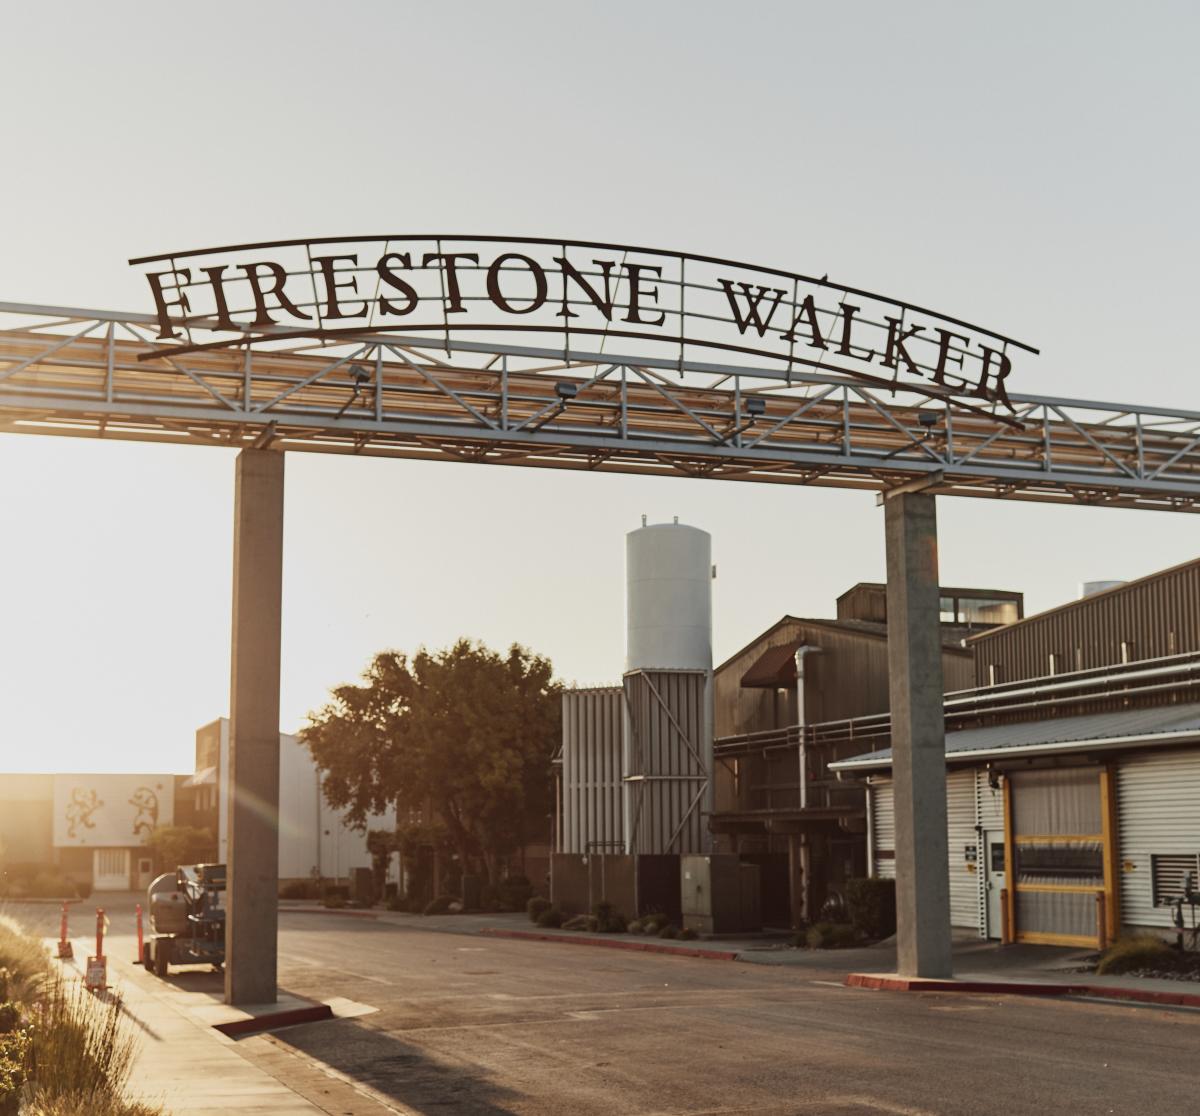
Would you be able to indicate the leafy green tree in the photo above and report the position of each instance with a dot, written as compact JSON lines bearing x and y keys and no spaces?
{"x":173,"y":845}
{"x":465,"y":734}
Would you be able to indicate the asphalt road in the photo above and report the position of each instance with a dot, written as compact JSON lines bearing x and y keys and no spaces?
{"x":482,"y":1025}
{"x":472,"y":1025}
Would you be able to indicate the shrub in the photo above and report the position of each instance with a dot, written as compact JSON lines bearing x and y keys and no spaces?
{"x":608,"y":919}
{"x":333,"y":902}
{"x":299,"y":889}
{"x":668,"y":931}
{"x":440,"y":905}
{"x":653,"y":922}
{"x":550,"y":918}
{"x":582,"y":922}
{"x":1138,"y":951}
{"x":14,"y":1054}
{"x":51,"y":885}
{"x":338,"y":890}
{"x":688,"y":934}
{"x":830,"y":935}
{"x":635,"y":927}
{"x":871,"y":907}
{"x":536,"y":906}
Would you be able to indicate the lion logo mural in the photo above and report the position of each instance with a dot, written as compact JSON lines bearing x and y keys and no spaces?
{"x":80,"y":809}
{"x":145,"y":801}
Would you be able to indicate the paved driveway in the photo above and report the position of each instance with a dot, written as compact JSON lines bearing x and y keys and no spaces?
{"x":470,"y":1025}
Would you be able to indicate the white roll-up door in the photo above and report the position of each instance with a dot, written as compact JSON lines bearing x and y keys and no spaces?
{"x":883,"y":826}
{"x":961,"y":836}
{"x":1158,"y":804}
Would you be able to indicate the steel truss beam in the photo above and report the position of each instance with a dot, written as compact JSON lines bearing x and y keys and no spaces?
{"x":82,"y":373}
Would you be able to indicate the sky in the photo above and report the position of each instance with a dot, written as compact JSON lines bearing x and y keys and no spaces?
{"x":1031,"y":167}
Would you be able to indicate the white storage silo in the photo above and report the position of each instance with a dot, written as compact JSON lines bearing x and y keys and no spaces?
{"x":668,"y":598}
{"x":667,"y":745}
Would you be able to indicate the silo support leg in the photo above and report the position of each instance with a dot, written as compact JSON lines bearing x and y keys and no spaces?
{"x":918,"y":736}
{"x":253,"y":882}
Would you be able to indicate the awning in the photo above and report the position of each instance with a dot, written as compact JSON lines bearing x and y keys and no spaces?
{"x":1124,"y":728}
{"x":205,"y":777}
{"x":775,"y":667}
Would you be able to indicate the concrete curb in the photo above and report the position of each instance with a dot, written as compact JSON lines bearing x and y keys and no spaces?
{"x":610,"y":943}
{"x":270,"y":1021}
{"x":886,"y":982}
{"x":328,"y":911}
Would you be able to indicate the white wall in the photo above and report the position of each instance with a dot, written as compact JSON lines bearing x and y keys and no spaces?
{"x":111,"y":811}
{"x":312,"y":835}
{"x":1158,"y":803}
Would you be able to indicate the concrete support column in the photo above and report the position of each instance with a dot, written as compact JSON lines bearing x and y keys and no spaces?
{"x":253,"y":859}
{"x":918,"y":737}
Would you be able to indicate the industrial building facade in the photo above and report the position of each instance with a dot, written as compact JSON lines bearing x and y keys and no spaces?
{"x":92,"y":828}
{"x":1073,"y":795}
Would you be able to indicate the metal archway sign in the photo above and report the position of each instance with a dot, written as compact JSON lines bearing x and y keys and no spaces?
{"x":647,"y":302}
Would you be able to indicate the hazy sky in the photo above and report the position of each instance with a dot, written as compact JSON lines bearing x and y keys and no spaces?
{"x":1031,"y":167}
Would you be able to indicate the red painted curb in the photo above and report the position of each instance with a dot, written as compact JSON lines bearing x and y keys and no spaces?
{"x":288,"y":1018}
{"x":609,"y":943}
{"x":878,"y":982}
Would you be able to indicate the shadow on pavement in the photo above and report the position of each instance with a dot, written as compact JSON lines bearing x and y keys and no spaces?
{"x":399,"y":1070}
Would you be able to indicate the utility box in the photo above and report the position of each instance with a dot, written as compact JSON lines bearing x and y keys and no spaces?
{"x":711,"y":893}
{"x":362,"y":885}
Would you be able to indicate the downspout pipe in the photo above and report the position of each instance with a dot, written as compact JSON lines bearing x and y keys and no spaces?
{"x":802,"y":652}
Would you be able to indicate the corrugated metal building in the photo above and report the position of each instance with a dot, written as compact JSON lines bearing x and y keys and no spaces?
{"x":1085,"y":815}
{"x":1151,"y":618}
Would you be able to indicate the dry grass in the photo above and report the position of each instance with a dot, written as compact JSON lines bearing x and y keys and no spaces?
{"x":80,"y":1050}
{"x":82,"y":1105}
{"x":1136,"y":952}
{"x":26,"y":961}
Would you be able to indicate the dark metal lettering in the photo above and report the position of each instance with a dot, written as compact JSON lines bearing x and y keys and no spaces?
{"x":166,"y":327}
{"x":279,"y":275}
{"x":997,"y":393}
{"x":944,"y":357}
{"x":539,"y":284}
{"x":569,"y":271}
{"x":386,"y":275}
{"x":844,"y":349}
{"x":329,"y":273}
{"x":636,"y":291}
{"x":806,"y":312}
{"x":896,"y":337}
{"x":215,"y":278}
{"x":454,"y":303}
{"x":752,"y":317}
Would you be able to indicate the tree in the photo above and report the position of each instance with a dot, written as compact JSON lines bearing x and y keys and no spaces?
{"x":466,"y":733}
{"x":173,"y":845}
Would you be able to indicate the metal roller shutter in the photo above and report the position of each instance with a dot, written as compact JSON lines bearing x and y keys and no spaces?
{"x":960,"y":833}
{"x":884,"y":826}
{"x":1158,"y":803}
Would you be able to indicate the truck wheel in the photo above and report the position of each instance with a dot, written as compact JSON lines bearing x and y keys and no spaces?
{"x":162,"y":957}
{"x":147,"y":959}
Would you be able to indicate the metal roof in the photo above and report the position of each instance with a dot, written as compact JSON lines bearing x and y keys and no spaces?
{"x":1124,"y":728}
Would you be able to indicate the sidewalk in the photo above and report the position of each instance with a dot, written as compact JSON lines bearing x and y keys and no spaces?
{"x":182,"y":1063}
